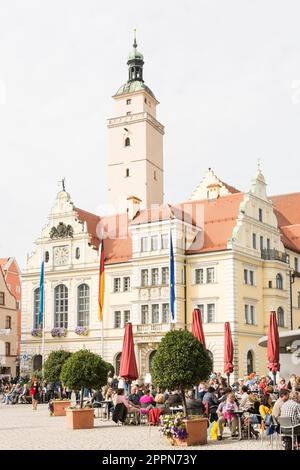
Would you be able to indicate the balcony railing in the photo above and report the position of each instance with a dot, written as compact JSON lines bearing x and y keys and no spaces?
{"x":152,"y":328}
{"x":274,"y":255}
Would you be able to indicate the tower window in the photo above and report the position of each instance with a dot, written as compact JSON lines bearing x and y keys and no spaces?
{"x":77,"y":253}
{"x":128,"y":101}
{"x":155,"y":176}
{"x":128,"y":113}
{"x":46,"y":256}
{"x":145,"y":99}
{"x":127,"y":172}
{"x":260,"y":215}
{"x":127,"y":142}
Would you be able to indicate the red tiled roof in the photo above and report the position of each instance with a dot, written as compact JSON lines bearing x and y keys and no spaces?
{"x":219,"y":221}
{"x":287,"y":210}
{"x":3,"y":261}
{"x":92,"y":221}
{"x":231,"y":189}
{"x":160,"y":213}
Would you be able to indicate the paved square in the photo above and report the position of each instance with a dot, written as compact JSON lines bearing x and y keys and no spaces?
{"x":23,"y":428}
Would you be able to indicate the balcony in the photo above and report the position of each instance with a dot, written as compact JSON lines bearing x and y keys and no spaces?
{"x":274,"y":255}
{"x":153,"y":328}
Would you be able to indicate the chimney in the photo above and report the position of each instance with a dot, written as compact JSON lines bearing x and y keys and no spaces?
{"x":133,"y":206}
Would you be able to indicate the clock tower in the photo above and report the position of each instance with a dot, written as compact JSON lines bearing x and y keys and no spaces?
{"x":135,"y":163}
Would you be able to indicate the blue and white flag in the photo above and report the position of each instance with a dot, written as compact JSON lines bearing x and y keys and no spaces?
{"x":41,"y":307}
{"x":172,"y":280}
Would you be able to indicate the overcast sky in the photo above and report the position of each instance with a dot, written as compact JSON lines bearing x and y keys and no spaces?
{"x":226,"y":73}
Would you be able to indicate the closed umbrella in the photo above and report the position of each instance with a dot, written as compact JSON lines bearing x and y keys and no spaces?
{"x":228,"y":351}
{"x":273,"y":345}
{"x":128,"y":367}
{"x":197,"y":328}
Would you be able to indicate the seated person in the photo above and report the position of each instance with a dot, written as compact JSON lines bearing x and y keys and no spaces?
{"x":225,"y":412}
{"x":97,"y":397}
{"x":119,"y":397}
{"x":24,"y":392}
{"x":193,"y":406}
{"x":160,"y":403}
{"x":265,"y":410}
{"x":174,"y":399}
{"x":135,"y":395}
{"x":146,"y":402}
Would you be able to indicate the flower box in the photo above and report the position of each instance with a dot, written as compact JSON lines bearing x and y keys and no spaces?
{"x":37,"y":332}
{"x":81,"y":330}
{"x":59,"y":407}
{"x":59,"y":332}
{"x":80,"y":418}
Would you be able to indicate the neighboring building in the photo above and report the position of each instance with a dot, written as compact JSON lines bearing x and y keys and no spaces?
{"x":235,"y":255}
{"x":8,"y":330}
{"x":12,"y":276}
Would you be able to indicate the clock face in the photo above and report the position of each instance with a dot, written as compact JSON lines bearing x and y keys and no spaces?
{"x":61,"y":255}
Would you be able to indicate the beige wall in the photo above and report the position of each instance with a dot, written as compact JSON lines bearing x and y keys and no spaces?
{"x":9,"y":309}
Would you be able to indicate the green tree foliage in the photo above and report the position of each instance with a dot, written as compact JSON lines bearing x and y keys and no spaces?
{"x":54,"y":363}
{"x":180,"y":362}
{"x":84,"y":369}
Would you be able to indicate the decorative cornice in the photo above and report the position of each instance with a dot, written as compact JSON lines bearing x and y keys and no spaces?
{"x":134,"y":118}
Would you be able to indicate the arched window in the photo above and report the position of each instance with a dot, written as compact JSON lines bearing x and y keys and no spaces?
{"x":280,"y":317}
{"x":83,"y":305}
{"x":77,"y":253}
{"x":37,"y":362}
{"x":151,"y":357}
{"x":211,"y":356}
{"x":118,"y":363}
{"x":127,"y":142}
{"x":250,"y":362}
{"x":61,"y":305}
{"x":279,"y":281}
{"x":36,"y":308}
{"x":46,"y":256}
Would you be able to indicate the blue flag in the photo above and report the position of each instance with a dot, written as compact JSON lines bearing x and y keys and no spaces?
{"x":172,"y":280}
{"x":41,"y":307}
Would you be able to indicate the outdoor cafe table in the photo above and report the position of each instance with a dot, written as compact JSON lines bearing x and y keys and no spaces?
{"x":239,"y":415}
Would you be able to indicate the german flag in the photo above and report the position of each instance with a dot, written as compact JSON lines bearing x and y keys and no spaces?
{"x":101,"y":284}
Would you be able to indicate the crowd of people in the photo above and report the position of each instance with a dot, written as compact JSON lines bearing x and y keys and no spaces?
{"x":256,"y":401}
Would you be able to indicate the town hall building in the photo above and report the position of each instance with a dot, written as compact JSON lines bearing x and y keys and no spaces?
{"x":236,"y":255}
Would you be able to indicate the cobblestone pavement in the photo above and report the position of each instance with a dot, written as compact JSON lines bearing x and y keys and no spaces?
{"x":23,"y":428}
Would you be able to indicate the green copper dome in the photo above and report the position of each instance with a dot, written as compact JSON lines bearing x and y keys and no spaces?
{"x":135,"y":54}
{"x":131,"y":87}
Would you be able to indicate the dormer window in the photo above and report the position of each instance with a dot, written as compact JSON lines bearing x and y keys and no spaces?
{"x":127,"y":142}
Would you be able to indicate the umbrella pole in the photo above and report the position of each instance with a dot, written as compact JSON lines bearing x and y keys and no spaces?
{"x":274,"y":375}
{"x":228,"y":380}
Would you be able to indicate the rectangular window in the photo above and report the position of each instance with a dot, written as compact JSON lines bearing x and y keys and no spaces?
{"x":165,"y":313}
{"x":126,"y":316}
{"x":254,"y":241}
{"x":270,"y":284}
{"x":144,"y":277}
{"x":126,"y":284}
{"x":210,"y":275}
{"x":199,"y":278}
{"x":261,"y":243}
{"x":145,"y":314}
{"x":8,"y":322}
{"x":260,"y":215}
{"x":144,"y":244}
{"x":117,"y":317}
{"x":296,"y":265}
{"x":201,"y":308}
{"x":155,"y":313}
{"x":154,"y":276}
{"x":268,"y":244}
{"x":117,"y":284}
{"x":154,"y":243}
{"x":246,"y":276}
{"x":251,"y":275}
{"x":164,"y":241}
{"x":7,"y":349}
{"x":211,"y":313}
{"x":1,"y":298}
{"x":249,"y":314}
{"x":128,"y":101}
{"x":165,"y":276}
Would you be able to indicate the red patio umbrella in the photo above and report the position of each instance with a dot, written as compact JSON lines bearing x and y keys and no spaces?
{"x":228,"y":351}
{"x":197,"y":329}
{"x":128,"y":367}
{"x":273,"y":345}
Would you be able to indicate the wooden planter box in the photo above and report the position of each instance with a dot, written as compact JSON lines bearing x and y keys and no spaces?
{"x":59,"y":407}
{"x":197,"y":433}
{"x":80,"y":418}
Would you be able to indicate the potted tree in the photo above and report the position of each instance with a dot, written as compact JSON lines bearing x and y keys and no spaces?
{"x":180,"y":362}
{"x":52,"y":371}
{"x":83,"y":369}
